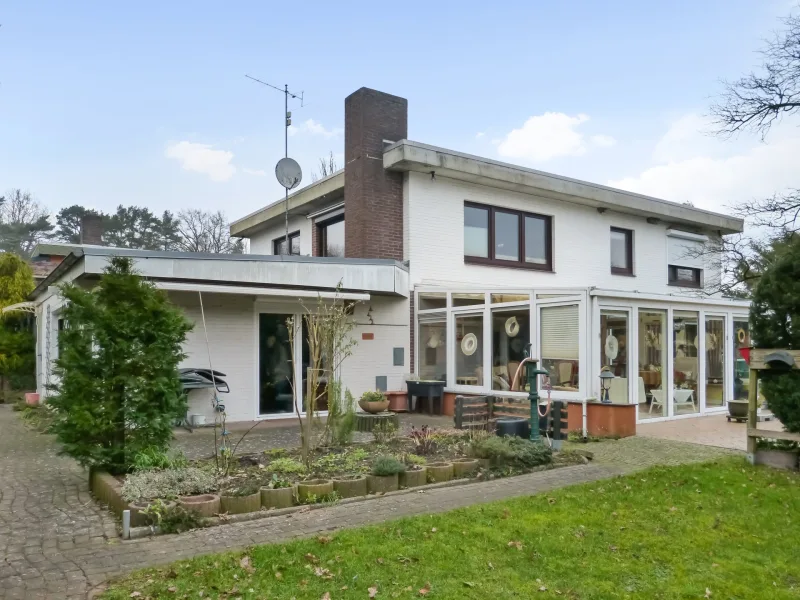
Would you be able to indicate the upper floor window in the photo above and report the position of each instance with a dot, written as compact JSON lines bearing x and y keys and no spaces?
{"x":621,"y":251}
{"x":505,"y":237}
{"x":279,"y":244}
{"x":331,"y":237}
{"x":685,"y":255}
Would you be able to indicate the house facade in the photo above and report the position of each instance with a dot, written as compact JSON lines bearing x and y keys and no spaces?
{"x":501,"y":256}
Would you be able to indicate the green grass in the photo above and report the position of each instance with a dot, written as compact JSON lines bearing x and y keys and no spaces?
{"x":671,"y":532}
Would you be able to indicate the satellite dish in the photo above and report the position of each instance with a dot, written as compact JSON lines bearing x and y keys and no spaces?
{"x":288,"y":173}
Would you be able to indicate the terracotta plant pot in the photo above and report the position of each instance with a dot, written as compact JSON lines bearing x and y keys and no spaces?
{"x":413,"y":477}
{"x":138,"y":519}
{"x":313,"y":487}
{"x":398,"y":401}
{"x":277,"y":497}
{"x":31,"y":398}
{"x":350,"y":487}
{"x":373,"y":407}
{"x":239,"y":505}
{"x":380,"y":484}
{"x":440,"y":471}
{"x":205,"y":505}
{"x":465,"y":467}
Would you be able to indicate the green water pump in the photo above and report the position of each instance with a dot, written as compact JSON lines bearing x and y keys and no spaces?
{"x":532,"y":371}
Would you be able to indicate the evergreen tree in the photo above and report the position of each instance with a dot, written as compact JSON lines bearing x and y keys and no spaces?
{"x":117,"y":390}
{"x":775,"y":320}
{"x":17,"y":340}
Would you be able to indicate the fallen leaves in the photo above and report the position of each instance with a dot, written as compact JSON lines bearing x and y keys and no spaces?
{"x":246,"y":564}
{"x":135,"y":594}
{"x":517,"y":545}
{"x":424,"y":591}
{"x":324,"y":539}
{"x":323,"y":573}
{"x":326,"y":596}
{"x":373,"y":591}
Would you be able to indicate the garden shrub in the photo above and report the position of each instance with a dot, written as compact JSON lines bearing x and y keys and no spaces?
{"x":775,"y":321}
{"x":387,"y":465}
{"x":118,"y":391}
{"x":415,"y":460}
{"x":513,"y":451}
{"x":155,"y":458}
{"x":172,"y":519}
{"x":373,"y":396}
{"x":287,"y":466}
{"x":384,"y":432}
{"x":168,"y":484}
{"x":242,"y":488}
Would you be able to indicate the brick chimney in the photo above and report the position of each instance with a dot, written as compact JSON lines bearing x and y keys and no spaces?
{"x":373,"y":196}
{"x":92,"y":229}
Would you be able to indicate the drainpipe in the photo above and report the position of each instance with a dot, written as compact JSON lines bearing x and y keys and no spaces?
{"x":583,"y":419}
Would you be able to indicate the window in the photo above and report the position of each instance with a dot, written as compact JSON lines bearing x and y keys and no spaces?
{"x":715,"y":362}
{"x":685,"y":362}
{"x":469,"y":349}
{"x":510,"y":336}
{"x":559,"y":335}
{"x":279,"y":244}
{"x":614,"y":352}
{"x":652,"y":397}
{"x":621,"y":251}
{"x":741,"y":372}
{"x":431,"y":300}
{"x":331,"y":237}
{"x":685,"y":276}
{"x":433,"y":349}
{"x":505,"y":237}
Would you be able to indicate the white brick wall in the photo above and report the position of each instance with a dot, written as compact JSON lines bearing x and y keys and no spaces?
{"x":261,"y":242}
{"x":581,"y":252}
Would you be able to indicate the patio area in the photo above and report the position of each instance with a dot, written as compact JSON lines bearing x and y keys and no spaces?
{"x":712,"y":430}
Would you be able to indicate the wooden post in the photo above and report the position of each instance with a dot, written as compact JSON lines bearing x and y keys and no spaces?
{"x":752,"y":415}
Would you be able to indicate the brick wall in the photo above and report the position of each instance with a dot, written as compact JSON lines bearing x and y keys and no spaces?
{"x":373,"y":196}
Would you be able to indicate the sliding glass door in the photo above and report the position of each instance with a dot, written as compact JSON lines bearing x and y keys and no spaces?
{"x":715,"y":362}
{"x":275,"y":365}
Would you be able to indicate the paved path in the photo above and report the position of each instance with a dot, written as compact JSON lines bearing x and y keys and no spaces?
{"x":713,"y":430}
{"x":56,"y":543}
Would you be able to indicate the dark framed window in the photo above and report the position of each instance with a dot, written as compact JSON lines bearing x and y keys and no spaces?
{"x":685,"y":276}
{"x":279,"y":244}
{"x":621,"y":251}
{"x":505,"y":237}
{"x":330,"y":237}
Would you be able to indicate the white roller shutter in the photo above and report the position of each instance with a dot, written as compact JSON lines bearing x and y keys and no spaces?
{"x":685,"y":249}
{"x":559,"y":326}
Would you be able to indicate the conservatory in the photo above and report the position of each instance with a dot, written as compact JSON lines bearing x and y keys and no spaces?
{"x":673,"y":356}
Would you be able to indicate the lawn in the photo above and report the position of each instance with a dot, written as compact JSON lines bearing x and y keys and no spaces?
{"x":713,"y":530}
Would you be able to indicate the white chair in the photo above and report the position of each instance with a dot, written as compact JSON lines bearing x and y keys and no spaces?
{"x":683,"y":397}
{"x":618,"y":390}
{"x":658,"y":398}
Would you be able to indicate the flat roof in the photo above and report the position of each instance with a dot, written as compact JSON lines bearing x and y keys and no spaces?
{"x":407,"y":155}
{"x":303,"y":201}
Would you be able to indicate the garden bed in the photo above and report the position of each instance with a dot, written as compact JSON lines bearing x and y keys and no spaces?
{"x":279,"y":480}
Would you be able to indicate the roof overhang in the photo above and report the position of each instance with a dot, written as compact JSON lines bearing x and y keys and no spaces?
{"x":243,"y":290}
{"x":348,"y":275}
{"x":407,"y":155}
{"x":302,"y":202}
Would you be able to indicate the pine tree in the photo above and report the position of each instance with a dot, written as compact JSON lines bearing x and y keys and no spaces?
{"x":17,"y":341}
{"x":117,"y":390}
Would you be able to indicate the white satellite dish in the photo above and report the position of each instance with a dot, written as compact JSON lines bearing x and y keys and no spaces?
{"x":288,"y":173}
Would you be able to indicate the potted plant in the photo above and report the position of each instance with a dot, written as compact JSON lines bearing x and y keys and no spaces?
{"x":373,"y":402}
{"x":415,"y":474}
{"x":278,"y":493}
{"x":385,"y":475}
{"x":439,"y":471}
{"x":398,"y":401}
{"x":350,"y":486}
{"x":148,"y":512}
{"x":317,"y":488}
{"x":244,"y":498}
{"x":205,"y":505}
{"x":464,"y":467}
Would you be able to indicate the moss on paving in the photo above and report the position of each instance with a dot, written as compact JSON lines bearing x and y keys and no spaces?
{"x":714,"y":530}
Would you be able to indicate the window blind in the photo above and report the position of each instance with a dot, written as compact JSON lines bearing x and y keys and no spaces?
{"x":559,"y":326}
{"x":685,"y":253}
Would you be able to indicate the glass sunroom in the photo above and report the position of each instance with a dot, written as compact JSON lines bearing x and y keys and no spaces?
{"x":672,"y":356}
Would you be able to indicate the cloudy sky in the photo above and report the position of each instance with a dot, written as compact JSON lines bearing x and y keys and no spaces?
{"x":147,"y":103}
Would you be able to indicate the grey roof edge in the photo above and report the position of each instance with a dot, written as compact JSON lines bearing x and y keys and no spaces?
{"x":309,"y":193}
{"x":70,"y":259}
{"x":736,"y":224}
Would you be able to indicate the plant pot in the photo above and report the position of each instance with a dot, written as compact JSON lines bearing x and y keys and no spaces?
{"x":398,"y":401}
{"x":205,"y":505}
{"x":313,"y":487}
{"x":350,"y":487}
{"x":373,"y":407}
{"x":138,"y":519}
{"x":380,"y":484}
{"x":277,"y":497}
{"x":31,"y":398}
{"x":737,"y":409}
{"x":778,"y":459}
{"x":239,"y":505}
{"x":465,"y":467}
{"x":439,"y":471}
{"x":197,"y":420}
{"x":414,"y":477}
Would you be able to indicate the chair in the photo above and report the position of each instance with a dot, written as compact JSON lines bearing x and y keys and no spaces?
{"x":684,"y":397}
{"x":658,"y":398}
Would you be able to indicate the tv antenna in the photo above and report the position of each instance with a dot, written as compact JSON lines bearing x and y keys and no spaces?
{"x":287,"y":170}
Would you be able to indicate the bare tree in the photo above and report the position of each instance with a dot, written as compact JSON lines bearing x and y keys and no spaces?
{"x":205,"y":231}
{"x":327,"y":166}
{"x":24,"y":222}
{"x":755,"y":101}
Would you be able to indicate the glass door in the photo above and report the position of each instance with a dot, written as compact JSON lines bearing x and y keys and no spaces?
{"x":715,"y":362}
{"x":562,"y":352}
{"x":686,"y":365}
{"x":275,"y":366}
{"x":614,"y":344}
{"x":652,"y":396}
{"x":741,"y":372}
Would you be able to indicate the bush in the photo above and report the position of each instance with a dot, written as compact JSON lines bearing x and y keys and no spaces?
{"x":513,"y":451}
{"x":244,"y":488}
{"x":424,"y":440}
{"x":413,"y":459}
{"x":118,"y":391}
{"x":373,"y":396}
{"x":168,"y":484}
{"x":155,"y":458}
{"x":384,"y":432}
{"x":287,"y":466}
{"x":783,"y":397}
{"x":175,"y":519}
{"x":387,"y":465}
{"x":277,"y":483}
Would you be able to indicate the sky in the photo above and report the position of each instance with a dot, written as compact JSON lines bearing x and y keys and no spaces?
{"x":147,"y":103}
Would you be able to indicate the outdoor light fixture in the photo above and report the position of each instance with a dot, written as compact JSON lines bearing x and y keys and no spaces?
{"x":605,"y":384}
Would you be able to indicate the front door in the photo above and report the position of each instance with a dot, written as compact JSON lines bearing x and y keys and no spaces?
{"x":276,"y":367}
